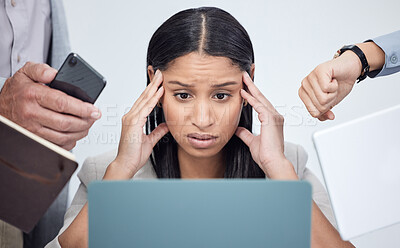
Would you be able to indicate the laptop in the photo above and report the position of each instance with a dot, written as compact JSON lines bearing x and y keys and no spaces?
{"x":361,"y":168}
{"x":200,"y":213}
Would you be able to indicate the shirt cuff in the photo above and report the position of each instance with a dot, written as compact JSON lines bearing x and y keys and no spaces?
{"x":390,"y":44}
{"x":2,"y":81}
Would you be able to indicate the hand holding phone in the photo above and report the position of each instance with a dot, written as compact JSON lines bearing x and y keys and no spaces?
{"x":78,"y":79}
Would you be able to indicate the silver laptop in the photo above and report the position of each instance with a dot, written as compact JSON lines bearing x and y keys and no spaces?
{"x":200,"y":213}
{"x":361,"y":169}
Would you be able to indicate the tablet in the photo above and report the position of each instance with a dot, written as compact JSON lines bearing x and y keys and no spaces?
{"x":33,"y":172}
{"x":360,"y":165}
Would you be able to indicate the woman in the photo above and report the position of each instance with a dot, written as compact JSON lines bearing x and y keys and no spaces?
{"x":197,"y":109}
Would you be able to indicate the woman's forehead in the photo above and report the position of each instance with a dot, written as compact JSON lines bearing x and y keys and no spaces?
{"x":195,"y":66}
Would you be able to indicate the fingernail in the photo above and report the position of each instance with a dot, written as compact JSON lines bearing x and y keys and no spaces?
{"x":95,"y":114}
{"x":157,"y":73}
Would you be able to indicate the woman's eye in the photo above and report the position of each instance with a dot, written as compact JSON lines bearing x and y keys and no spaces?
{"x":221,"y":96}
{"x":182,"y":96}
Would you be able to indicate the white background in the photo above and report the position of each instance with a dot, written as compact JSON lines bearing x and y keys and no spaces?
{"x":290,"y":38}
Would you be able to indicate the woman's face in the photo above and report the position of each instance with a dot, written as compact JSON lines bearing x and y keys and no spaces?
{"x":202,"y":102}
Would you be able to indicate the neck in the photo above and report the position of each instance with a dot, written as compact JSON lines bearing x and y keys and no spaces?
{"x":199,"y":167}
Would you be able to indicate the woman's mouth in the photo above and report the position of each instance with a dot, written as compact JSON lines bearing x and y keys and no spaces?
{"x":201,"y":140}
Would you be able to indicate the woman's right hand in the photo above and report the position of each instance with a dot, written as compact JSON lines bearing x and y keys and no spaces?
{"x":135,"y":146}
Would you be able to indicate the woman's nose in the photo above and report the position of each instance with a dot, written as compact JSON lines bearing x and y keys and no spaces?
{"x":203,"y":115}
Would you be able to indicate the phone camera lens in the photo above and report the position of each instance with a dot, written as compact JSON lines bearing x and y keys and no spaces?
{"x":73,"y":61}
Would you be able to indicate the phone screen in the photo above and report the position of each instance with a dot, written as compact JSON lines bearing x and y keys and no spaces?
{"x":78,"y":79}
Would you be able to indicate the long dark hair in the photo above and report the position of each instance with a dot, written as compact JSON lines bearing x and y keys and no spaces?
{"x":217,"y":33}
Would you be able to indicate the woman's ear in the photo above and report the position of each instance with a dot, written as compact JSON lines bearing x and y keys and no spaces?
{"x":150,"y":72}
{"x":252,"y":69}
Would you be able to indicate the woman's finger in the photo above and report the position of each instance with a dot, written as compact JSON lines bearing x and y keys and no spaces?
{"x":265,"y":115}
{"x":255,"y":92}
{"x":245,"y":135}
{"x":158,"y":133}
{"x":256,"y":104}
{"x":150,"y":104}
{"x":148,"y":92}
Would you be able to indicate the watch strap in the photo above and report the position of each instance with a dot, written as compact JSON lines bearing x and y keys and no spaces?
{"x":361,"y":56}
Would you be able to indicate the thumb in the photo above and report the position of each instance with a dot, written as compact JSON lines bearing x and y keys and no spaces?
{"x":41,"y":73}
{"x":158,"y":133}
{"x":245,"y":135}
{"x":327,"y":116}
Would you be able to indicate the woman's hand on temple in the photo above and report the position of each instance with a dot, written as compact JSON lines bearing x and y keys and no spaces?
{"x":135,"y":146}
{"x":267,"y":148}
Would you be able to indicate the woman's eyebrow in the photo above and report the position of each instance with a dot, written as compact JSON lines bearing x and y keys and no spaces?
{"x":223,"y":84}
{"x":212,"y":86}
{"x":181,"y":84}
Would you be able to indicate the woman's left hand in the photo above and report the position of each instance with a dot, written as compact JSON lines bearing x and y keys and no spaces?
{"x":267,"y":148}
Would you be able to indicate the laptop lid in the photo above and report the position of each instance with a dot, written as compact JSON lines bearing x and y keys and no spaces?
{"x":200,"y":213}
{"x":359,"y":161}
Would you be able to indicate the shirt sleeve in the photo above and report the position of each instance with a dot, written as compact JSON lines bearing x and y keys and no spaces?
{"x":390,"y":44}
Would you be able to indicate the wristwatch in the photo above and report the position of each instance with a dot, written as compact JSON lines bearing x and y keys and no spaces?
{"x":361,"y":56}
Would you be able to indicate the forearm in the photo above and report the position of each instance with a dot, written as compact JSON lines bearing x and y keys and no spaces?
{"x":374,"y":54}
{"x":117,"y":171}
{"x":323,"y":234}
{"x":281,"y":170}
{"x":76,"y":235}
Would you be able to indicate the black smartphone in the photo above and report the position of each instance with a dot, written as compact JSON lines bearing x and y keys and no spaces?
{"x":78,"y":79}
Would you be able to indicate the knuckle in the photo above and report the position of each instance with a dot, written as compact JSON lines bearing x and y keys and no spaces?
{"x":36,"y":129}
{"x":319,"y":69}
{"x":325,"y":87}
{"x":41,"y":72}
{"x":29,"y":93}
{"x":125,"y":118}
{"x":26,"y":112}
{"x":28,"y":64}
{"x":61,"y":104}
{"x":322,"y":98}
{"x":69,"y":146}
{"x":64,"y":124}
{"x":72,"y":145}
{"x":279,"y":118}
{"x":300,"y":92}
{"x":64,"y":139}
{"x":314,"y":113}
{"x":305,"y":81}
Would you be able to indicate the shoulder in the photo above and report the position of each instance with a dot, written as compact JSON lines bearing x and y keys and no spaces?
{"x":297,"y":156}
{"x":95,"y":167}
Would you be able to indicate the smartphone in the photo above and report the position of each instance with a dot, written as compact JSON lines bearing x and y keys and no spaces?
{"x":78,"y":79}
